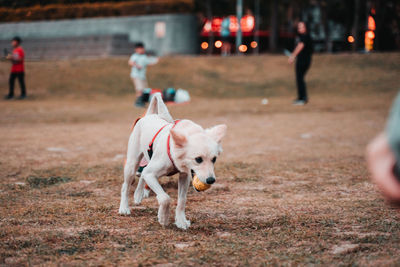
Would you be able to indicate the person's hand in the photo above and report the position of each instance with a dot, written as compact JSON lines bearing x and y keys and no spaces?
{"x":291,"y":59}
{"x":381,"y":161}
{"x":138,"y":66}
{"x":9,"y":56}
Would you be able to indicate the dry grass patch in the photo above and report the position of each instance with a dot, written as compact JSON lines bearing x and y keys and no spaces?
{"x":292,"y":186}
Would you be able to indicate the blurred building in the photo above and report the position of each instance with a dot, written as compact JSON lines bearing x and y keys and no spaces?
{"x":164,"y":34}
{"x":70,"y":28}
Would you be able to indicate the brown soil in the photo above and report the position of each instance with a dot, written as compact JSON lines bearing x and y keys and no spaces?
{"x":292,"y":186}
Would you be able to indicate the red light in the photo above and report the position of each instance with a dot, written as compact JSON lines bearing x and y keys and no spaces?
{"x":207,"y":26}
{"x":246,"y":23}
{"x":216,"y":24}
{"x":218,"y":44}
{"x":253,"y":44}
{"x":350,"y":39}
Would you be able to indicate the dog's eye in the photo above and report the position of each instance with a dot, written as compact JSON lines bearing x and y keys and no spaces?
{"x":199,"y":160}
{"x":214,"y":159}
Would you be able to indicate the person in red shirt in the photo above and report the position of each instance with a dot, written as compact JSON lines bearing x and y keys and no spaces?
{"x":17,"y":69}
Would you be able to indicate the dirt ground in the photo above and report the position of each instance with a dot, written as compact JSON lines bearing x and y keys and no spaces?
{"x":292,"y":186}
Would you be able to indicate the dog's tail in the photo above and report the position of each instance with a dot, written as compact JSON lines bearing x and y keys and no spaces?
{"x":158,"y":107}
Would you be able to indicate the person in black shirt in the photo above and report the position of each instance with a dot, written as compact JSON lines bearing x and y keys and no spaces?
{"x":302,"y":54}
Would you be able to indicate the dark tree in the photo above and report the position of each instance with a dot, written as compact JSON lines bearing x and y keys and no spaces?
{"x":274,"y":26}
{"x":355,"y":28}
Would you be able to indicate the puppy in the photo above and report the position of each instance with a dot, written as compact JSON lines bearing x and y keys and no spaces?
{"x":169,"y":147}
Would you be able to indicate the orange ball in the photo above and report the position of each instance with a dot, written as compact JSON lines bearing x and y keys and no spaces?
{"x":199,"y":185}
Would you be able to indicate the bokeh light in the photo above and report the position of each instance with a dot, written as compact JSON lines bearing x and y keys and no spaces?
{"x":243,"y":48}
{"x":370,"y":34}
{"x":204,"y":45}
{"x":218,"y":44}
{"x":350,"y":39}
{"x":371,"y":23}
{"x":253,"y":44}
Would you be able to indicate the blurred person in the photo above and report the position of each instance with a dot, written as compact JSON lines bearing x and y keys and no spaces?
{"x":17,"y":69}
{"x":225,"y":33}
{"x":383,"y":156}
{"x":302,"y":54}
{"x":139,"y":62}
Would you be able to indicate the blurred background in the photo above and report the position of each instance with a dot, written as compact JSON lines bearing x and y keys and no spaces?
{"x":293,"y":187}
{"x":71,"y":28}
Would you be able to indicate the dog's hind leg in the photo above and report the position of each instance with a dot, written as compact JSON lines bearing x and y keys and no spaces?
{"x":131,"y":166}
{"x":129,"y":176}
{"x":141,"y":190}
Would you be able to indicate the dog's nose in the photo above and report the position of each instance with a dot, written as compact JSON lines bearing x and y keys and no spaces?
{"x":210,"y":180}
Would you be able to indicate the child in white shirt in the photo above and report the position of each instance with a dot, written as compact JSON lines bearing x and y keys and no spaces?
{"x":139,"y":62}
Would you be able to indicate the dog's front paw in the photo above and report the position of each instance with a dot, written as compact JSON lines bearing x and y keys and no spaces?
{"x":163,"y":210}
{"x":182,"y":223}
{"x":163,"y":219}
{"x":124,"y":210}
{"x":163,"y":216}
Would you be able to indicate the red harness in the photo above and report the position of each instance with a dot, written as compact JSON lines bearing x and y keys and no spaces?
{"x":150,"y":150}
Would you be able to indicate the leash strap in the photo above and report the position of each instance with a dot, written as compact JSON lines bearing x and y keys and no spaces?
{"x":169,"y":146}
{"x":150,"y":150}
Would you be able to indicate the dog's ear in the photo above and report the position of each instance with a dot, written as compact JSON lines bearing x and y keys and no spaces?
{"x":179,"y":138}
{"x":217,"y":132}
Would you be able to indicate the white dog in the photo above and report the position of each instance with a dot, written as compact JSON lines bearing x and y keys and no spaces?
{"x":169,"y":147}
